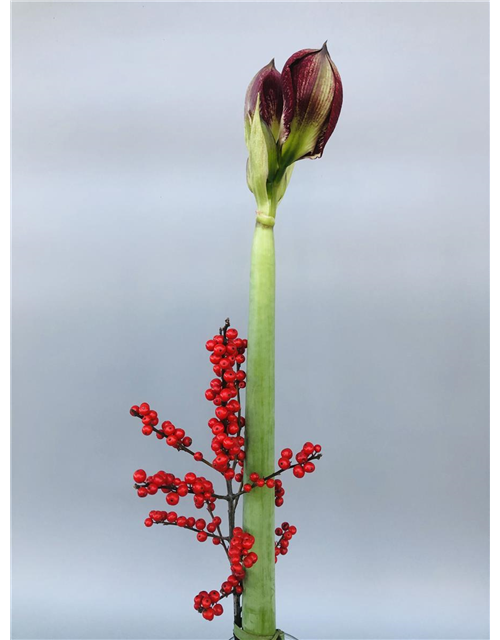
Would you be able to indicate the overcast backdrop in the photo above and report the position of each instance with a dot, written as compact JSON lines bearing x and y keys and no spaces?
{"x":132,"y":225}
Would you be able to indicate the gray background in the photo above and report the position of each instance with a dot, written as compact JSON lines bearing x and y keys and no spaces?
{"x":132,"y":226}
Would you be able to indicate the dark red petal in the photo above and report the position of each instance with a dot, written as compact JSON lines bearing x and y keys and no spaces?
{"x":267,"y":83}
{"x":288,"y":76}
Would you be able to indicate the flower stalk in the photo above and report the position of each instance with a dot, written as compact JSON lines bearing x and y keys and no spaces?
{"x":259,"y":616}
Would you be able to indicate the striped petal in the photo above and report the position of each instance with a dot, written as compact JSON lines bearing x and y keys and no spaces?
{"x":312,"y":93}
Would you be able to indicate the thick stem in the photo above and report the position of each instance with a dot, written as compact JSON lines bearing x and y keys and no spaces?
{"x":259,"y":615}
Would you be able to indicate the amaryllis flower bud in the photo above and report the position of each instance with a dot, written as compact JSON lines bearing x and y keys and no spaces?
{"x":312,"y":95}
{"x":266,"y":84}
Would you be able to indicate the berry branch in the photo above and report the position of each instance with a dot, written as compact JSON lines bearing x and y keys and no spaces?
{"x":228,"y":446}
{"x":267,"y":480}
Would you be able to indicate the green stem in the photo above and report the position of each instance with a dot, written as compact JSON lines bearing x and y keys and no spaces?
{"x":259,"y":613}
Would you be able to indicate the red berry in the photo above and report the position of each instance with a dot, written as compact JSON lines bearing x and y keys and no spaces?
{"x":308,"y":448}
{"x":182,"y":490}
{"x":140,"y":475}
{"x":198,"y":456}
{"x":168,"y":428}
{"x":247,"y":487}
{"x":299,"y":471}
{"x":208,"y":614}
{"x":221,"y":413}
{"x":134,"y":411}
{"x":219,"y":350}
{"x":201,"y":536}
{"x":216,"y":385}
{"x":287,"y":453}
{"x":148,"y":522}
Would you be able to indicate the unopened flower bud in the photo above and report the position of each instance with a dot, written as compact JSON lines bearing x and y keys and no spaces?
{"x":312,"y":94}
{"x":265,"y":86}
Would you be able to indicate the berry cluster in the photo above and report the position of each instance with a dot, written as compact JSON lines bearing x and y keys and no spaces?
{"x":257,"y":481}
{"x":239,"y":553}
{"x":208,"y":604}
{"x":227,"y":356}
{"x":279,"y":492}
{"x":199,"y":526}
{"x":149,"y":417}
{"x":304,"y":457}
{"x":174,"y":437}
{"x":175,"y":488}
{"x":260,"y":482}
{"x":285,"y":534}
{"x":241,"y":558}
